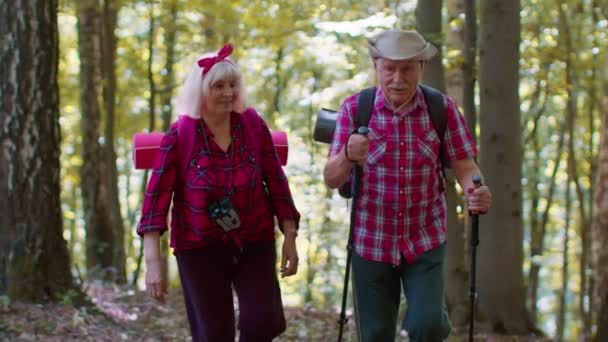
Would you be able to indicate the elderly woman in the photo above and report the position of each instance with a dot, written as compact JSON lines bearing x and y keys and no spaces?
{"x":227,"y":186}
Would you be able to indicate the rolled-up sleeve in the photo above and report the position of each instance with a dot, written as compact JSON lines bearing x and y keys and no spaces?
{"x":458,"y":141}
{"x":159,"y":191}
{"x":344,"y":125}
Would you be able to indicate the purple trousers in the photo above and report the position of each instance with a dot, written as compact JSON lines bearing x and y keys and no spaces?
{"x":208,"y":276}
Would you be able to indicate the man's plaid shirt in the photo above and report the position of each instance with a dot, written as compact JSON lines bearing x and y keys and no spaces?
{"x":401,"y":208}
{"x":260,"y":188}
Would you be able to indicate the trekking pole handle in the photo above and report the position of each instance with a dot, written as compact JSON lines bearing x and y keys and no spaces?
{"x":475,"y":217}
{"x":477,"y":181}
{"x":363,"y":130}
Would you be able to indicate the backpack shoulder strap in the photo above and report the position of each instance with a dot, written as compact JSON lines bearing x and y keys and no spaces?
{"x":435,"y":103}
{"x":365,"y":103}
{"x":252,"y":123}
{"x":185,"y":141}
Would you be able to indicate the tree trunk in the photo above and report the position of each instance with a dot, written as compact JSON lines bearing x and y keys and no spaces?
{"x":168,"y":78}
{"x":537,"y":243}
{"x":34,"y":259}
{"x":571,"y":104}
{"x":98,"y":222}
{"x":501,"y":293}
{"x":428,"y":22}
{"x":109,"y":98}
{"x":166,"y":95}
{"x":428,"y":19}
{"x":562,"y":293}
{"x":600,"y":227}
{"x":469,"y":72}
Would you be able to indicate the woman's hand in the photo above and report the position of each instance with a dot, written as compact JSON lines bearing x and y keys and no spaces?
{"x":289,"y":257}
{"x":155,"y":284}
{"x":289,"y":252}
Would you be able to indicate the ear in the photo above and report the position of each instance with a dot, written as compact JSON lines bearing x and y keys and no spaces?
{"x":422,"y":65}
{"x":376,"y":63}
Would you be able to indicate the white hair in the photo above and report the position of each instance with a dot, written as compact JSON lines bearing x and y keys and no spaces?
{"x":196,"y":87}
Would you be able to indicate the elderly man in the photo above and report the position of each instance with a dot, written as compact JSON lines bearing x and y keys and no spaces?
{"x":400,"y":226}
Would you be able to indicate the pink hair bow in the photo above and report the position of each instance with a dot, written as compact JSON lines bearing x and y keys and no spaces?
{"x":207,"y":63}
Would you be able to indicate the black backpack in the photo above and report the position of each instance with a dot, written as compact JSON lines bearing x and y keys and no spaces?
{"x":436,"y":108}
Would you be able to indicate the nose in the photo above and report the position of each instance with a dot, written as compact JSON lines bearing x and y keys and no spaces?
{"x":399,"y":76}
{"x":227,"y":91}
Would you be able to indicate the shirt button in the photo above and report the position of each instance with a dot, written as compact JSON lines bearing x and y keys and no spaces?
{"x":401,"y":192}
{"x":401,"y":168}
{"x":400,"y":214}
{"x":401,"y":143}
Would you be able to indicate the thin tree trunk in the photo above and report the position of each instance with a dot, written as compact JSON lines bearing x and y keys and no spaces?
{"x":34,"y":259}
{"x":169,"y":76}
{"x":99,"y":228}
{"x":151,"y":127}
{"x":469,"y":71}
{"x":538,"y":235}
{"x":600,"y":226}
{"x":109,"y":98}
{"x":571,"y":105}
{"x":166,"y":108}
{"x":562,"y":293}
{"x":279,"y":86}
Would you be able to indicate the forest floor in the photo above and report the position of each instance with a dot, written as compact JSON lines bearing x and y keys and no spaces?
{"x":122,"y":314}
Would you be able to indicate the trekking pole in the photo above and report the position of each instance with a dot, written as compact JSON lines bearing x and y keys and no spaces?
{"x":474,"y":243}
{"x":349,"y":247}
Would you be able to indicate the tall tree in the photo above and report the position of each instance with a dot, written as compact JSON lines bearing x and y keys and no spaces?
{"x":429,"y":24}
{"x":34,"y":260}
{"x":600,"y":226}
{"x":108,"y":55}
{"x":501,"y":293}
{"x":456,"y":275}
{"x":100,"y":235}
{"x":469,"y":71}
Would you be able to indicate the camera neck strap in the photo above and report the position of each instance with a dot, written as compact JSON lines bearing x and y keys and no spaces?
{"x":207,"y":147}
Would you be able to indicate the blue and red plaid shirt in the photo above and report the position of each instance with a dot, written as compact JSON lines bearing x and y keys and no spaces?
{"x":259,"y":188}
{"x":401,"y":208}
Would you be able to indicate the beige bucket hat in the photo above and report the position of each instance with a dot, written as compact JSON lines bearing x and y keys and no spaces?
{"x":400,"y":45}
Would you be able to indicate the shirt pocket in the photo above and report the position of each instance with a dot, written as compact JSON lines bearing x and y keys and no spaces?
{"x":377,"y":147}
{"x":201,"y":174}
{"x":200,"y":184}
{"x":427,"y":145}
{"x":246,"y":171}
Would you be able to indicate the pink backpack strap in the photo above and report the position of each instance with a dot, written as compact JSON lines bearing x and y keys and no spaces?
{"x":253,"y":125}
{"x":185,"y":142}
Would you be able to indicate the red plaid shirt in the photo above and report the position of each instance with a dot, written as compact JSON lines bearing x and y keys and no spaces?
{"x":260,"y":189}
{"x":401,"y":208}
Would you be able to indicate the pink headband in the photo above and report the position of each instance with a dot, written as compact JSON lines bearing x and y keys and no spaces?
{"x":207,"y":63}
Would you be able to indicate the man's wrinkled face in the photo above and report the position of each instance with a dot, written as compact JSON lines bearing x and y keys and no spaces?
{"x":398,"y":79}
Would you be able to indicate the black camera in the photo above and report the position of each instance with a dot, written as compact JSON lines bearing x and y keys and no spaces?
{"x":224,"y":214}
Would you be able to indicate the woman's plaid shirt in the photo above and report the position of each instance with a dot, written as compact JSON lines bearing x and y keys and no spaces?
{"x":401,"y":208}
{"x":260,"y":187}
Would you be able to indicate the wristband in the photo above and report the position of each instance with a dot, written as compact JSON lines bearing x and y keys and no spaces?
{"x":346,"y":149}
